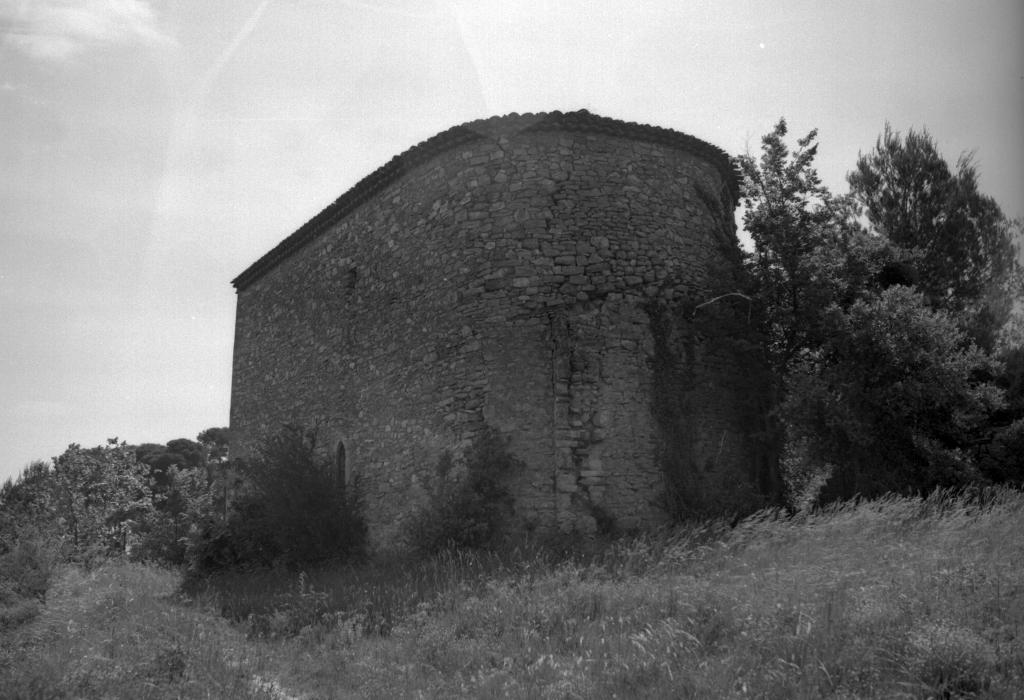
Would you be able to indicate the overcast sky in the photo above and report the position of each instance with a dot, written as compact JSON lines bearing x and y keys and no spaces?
{"x":151,"y":150}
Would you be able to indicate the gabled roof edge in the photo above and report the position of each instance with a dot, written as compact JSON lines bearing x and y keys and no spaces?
{"x":582,"y":121}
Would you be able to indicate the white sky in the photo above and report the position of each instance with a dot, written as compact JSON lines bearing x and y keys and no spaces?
{"x":151,"y":150}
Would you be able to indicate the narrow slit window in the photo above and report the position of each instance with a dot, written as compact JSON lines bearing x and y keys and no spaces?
{"x":341,"y":468}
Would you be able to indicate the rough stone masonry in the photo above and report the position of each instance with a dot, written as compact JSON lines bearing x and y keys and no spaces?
{"x":544,"y":275}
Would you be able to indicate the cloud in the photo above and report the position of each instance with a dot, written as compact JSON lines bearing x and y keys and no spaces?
{"x":58,"y":29}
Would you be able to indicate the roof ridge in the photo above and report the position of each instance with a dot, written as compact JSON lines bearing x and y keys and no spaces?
{"x":424,"y":151}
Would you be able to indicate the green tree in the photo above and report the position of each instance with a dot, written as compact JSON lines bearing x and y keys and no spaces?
{"x":31,"y":543}
{"x":101,"y":494}
{"x":809,"y":251}
{"x":223,"y":478}
{"x":192,"y":453}
{"x":789,"y":215}
{"x":28,"y":502}
{"x":892,"y":399}
{"x":873,"y":385}
{"x":293,"y":512}
{"x":147,"y":501}
{"x":182,"y":507}
{"x":181,"y":452}
{"x":966,"y":254}
{"x":808,"y":255}
{"x":28,"y":493}
{"x":216,"y":441}
{"x":468,"y":510}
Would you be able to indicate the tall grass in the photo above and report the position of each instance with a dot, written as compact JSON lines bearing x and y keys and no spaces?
{"x":896,"y":597}
{"x":121,"y":631}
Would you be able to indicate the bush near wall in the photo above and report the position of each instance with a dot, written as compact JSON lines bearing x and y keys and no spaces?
{"x":468,"y":512}
{"x":295,"y":513}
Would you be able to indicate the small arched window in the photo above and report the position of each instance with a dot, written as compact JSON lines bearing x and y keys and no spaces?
{"x":341,"y":468}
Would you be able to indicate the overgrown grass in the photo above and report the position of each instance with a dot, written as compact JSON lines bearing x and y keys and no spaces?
{"x":122,"y":631}
{"x":896,"y":597}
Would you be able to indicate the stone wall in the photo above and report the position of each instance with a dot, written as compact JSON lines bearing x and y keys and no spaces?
{"x":538,"y":274}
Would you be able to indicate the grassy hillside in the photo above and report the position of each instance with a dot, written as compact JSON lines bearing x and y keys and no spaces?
{"x":890,"y":598}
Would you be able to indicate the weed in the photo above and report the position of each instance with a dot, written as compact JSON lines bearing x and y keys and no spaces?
{"x":468,"y":511}
{"x":909,"y":597}
{"x":293,"y":515}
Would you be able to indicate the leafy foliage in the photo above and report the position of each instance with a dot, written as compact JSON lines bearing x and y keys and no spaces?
{"x":890,"y":398}
{"x":27,"y":502}
{"x":967,"y":258}
{"x":100,"y":493}
{"x":85,"y":507}
{"x":869,"y":332}
{"x":216,"y":442}
{"x":184,"y":504}
{"x":110,"y":501}
{"x":295,"y":513}
{"x":468,"y":512}
{"x":789,"y":216}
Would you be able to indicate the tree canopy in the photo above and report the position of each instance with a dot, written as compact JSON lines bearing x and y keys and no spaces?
{"x":112,"y":497}
{"x":966,"y":257}
{"x":879,"y":337}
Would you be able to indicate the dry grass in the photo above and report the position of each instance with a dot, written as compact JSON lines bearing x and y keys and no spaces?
{"x":122,"y":631}
{"x":891,"y":598}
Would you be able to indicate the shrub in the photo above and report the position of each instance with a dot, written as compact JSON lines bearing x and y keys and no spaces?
{"x":892,"y":399}
{"x":468,"y":512}
{"x":99,"y":495}
{"x":185,"y":503}
{"x":294,"y":513}
{"x":27,"y":569}
{"x":1002,"y":460}
{"x":30,"y":564}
